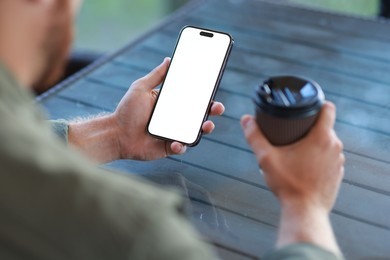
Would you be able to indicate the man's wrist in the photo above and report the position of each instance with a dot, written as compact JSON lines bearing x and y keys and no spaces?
{"x":97,"y":138}
{"x":306,"y":222}
{"x":308,"y":206}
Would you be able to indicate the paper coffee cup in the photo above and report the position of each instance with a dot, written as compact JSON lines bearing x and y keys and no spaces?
{"x":287,"y":107}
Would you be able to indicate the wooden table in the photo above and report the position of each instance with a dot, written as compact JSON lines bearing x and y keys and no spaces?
{"x":230,"y":203}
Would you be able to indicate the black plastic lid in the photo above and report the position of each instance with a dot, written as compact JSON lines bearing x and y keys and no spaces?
{"x":289,"y":96}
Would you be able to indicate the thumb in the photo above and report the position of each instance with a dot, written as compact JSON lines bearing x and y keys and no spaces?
{"x":156,"y":76}
{"x":255,"y":138}
{"x":326,"y":118}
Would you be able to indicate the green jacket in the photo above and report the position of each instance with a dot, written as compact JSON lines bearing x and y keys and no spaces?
{"x":54,"y":204}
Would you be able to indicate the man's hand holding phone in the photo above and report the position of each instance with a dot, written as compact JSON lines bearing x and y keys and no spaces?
{"x":122,"y":134}
{"x":132,"y":115}
{"x":179,"y":112}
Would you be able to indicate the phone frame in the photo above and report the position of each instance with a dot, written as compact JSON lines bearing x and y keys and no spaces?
{"x":215,"y":88}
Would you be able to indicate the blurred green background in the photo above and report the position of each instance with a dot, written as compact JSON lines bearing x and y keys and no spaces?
{"x":367,"y":8}
{"x":105,"y":26}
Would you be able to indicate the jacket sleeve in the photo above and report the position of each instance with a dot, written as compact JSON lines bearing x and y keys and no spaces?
{"x":302,"y":251}
{"x":57,"y":205}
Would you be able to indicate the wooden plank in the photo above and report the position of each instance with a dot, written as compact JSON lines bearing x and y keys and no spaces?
{"x":374,"y":92}
{"x":368,"y":173}
{"x":246,"y":201}
{"x":232,"y":230}
{"x":343,"y":26}
{"x":238,"y":81}
{"x":353,"y":239}
{"x":371,"y":118}
{"x":354,"y":64}
{"x":291,"y":33}
{"x":364,"y":172}
{"x":247,"y":89}
{"x":94,"y":94}
{"x":208,"y":186}
{"x":231,"y":113}
{"x":242,"y":166}
{"x":220,"y":224}
{"x":351,"y":116}
{"x":332,"y":82}
{"x":310,"y":55}
{"x":251,"y":207}
{"x":116,"y":75}
{"x":141,"y":58}
{"x":59,"y":108}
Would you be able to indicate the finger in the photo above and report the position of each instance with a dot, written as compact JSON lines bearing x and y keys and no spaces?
{"x":326,"y":118}
{"x":208,"y":127}
{"x":254,"y":136}
{"x":217,"y":109}
{"x":156,"y":76}
{"x":176,"y":148}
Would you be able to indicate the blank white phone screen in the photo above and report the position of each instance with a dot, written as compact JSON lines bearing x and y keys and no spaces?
{"x":189,"y":85}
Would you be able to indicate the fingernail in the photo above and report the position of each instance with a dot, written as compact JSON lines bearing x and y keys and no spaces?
{"x":178,"y":148}
{"x":183,"y":149}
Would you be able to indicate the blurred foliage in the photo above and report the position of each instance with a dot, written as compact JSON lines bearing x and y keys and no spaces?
{"x":105,"y":26}
{"x":354,"y":7}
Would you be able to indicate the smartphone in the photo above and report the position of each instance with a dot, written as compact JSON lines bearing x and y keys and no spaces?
{"x":190,"y":84}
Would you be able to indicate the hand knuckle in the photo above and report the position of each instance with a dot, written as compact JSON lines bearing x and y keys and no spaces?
{"x":342,"y":158}
{"x":136,"y":82}
{"x":339,"y":145}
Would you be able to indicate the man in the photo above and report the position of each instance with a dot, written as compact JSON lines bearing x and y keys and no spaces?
{"x":56,"y":205}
